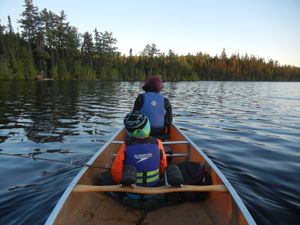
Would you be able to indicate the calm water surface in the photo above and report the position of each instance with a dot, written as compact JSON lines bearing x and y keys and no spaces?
{"x":250,"y":130}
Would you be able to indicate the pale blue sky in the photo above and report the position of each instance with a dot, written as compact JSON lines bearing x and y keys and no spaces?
{"x":264,"y":28}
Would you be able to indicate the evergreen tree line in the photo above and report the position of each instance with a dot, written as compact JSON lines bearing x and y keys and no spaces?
{"x":49,"y":47}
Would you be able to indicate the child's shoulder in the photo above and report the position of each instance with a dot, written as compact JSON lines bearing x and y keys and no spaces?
{"x":148,"y":140}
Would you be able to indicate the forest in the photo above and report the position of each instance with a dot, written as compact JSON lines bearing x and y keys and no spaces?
{"x":48,"y":47}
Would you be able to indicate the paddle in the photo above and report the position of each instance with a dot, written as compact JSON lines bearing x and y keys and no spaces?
{"x":149,"y":190}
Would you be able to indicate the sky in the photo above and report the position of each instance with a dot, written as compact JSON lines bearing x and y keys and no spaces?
{"x":268,"y":29}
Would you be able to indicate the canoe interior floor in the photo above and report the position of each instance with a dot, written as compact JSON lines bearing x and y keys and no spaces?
{"x":106,"y":211}
{"x":182,"y":214}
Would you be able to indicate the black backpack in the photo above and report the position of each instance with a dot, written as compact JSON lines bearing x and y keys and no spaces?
{"x":194,"y":173}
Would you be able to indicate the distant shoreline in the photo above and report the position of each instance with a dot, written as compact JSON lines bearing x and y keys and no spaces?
{"x":48,"y":48}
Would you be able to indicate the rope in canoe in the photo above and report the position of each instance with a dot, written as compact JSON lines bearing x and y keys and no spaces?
{"x":72,"y":162}
{"x":78,"y":163}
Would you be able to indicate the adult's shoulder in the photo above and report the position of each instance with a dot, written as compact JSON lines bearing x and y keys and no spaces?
{"x":166,"y":99}
{"x":167,"y":102}
{"x":140,"y":95}
{"x":153,"y":140}
{"x":138,"y":102}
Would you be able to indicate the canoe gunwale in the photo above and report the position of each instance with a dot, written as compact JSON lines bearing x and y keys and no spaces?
{"x":227,"y":184}
{"x":73,"y":183}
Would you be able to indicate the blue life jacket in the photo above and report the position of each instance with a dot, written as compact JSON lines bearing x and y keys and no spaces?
{"x":146,"y":159}
{"x":154,"y":108}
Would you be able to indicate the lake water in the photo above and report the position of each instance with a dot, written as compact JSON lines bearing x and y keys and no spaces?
{"x":251,"y":130}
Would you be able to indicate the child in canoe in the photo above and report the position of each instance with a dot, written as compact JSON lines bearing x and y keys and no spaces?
{"x":146,"y":154}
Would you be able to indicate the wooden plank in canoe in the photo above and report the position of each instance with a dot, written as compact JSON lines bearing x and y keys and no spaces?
{"x":94,"y":208}
{"x":187,"y":213}
{"x":149,"y":190}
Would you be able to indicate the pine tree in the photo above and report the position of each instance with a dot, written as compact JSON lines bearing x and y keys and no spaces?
{"x":87,"y":49}
{"x":29,"y":22}
{"x":49,"y":22}
{"x":10,"y":28}
{"x":62,"y":28}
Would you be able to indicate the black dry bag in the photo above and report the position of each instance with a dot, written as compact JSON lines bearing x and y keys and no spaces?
{"x":194,"y":173}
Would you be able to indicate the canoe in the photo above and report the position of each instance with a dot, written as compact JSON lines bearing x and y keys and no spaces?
{"x":84,"y":202}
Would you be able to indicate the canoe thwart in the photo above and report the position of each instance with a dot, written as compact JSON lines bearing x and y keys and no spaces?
{"x":164,"y":142}
{"x":149,"y":190}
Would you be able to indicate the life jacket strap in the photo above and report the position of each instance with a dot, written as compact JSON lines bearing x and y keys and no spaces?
{"x":148,"y":180}
{"x":147,"y":177}
{"x":149,"y":173}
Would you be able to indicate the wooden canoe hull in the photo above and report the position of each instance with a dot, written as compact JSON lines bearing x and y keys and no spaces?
{"x":224,"y":208}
